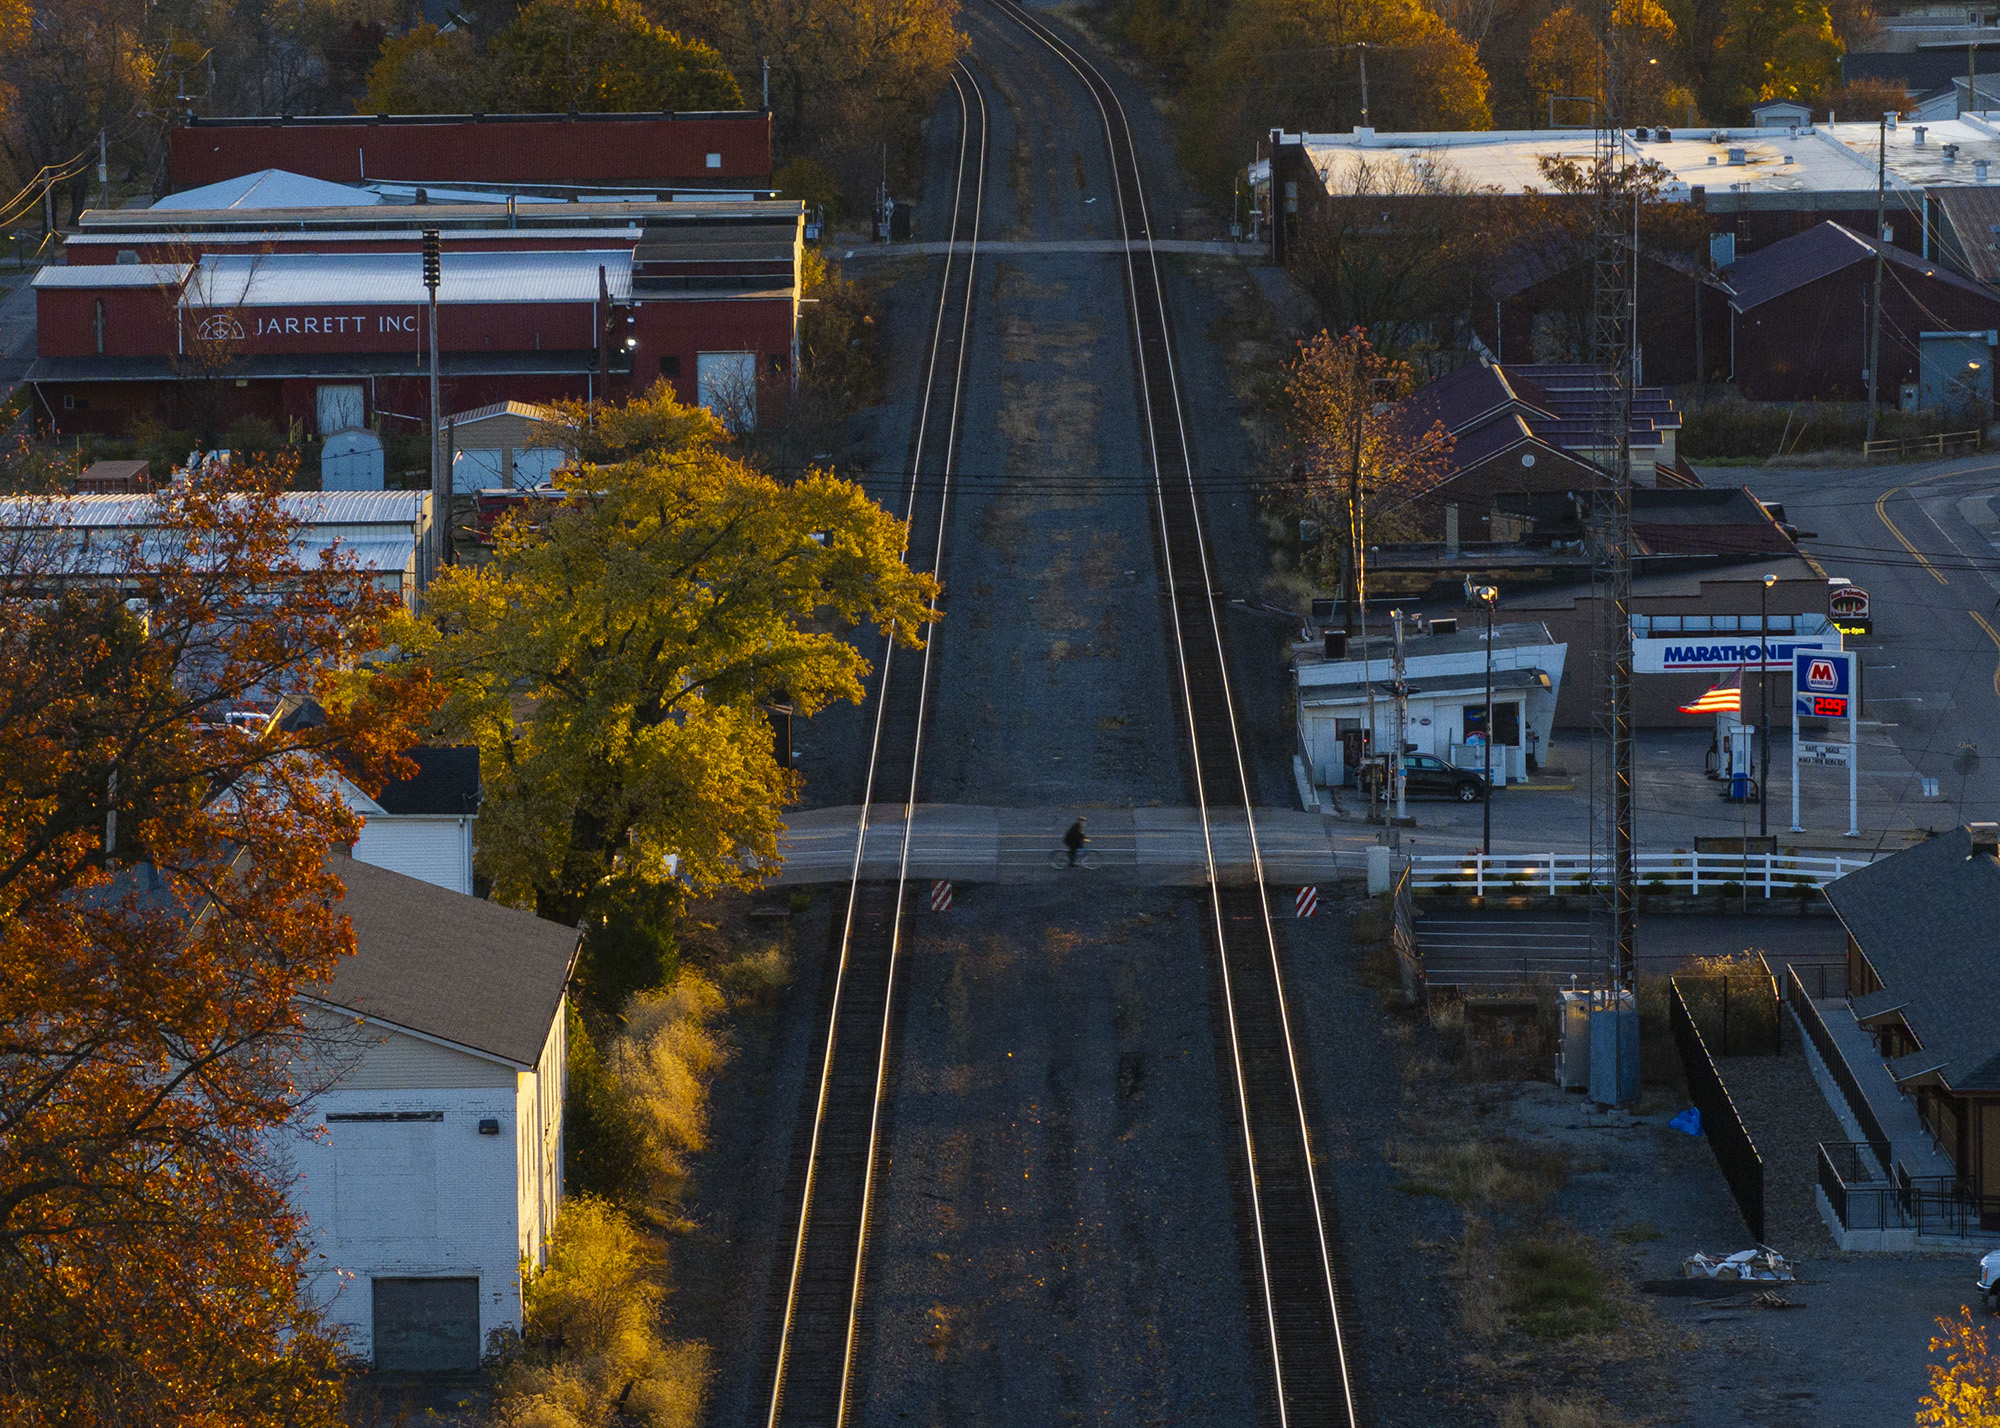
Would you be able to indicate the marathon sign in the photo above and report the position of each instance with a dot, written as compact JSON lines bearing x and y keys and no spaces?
{"x":1710,"y":654}
{"x":315,"y":329}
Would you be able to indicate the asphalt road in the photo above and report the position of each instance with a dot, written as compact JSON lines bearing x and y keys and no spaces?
{"x":1920,"y":538}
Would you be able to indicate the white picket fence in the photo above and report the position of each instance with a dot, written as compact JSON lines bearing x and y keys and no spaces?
{"x":1758,"y":874}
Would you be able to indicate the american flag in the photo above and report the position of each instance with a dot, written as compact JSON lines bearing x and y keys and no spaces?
{"x":1725,"y":698}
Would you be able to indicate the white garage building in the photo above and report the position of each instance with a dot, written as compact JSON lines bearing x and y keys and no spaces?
{"x":1446,"y":675}
{"x":429,"y":1166}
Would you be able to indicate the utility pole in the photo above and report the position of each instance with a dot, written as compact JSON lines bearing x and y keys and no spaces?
{"x":1402,"y":688}
{"x":1875,"y":299}
{"x":1353,"y":494}
{"x":1364,"y":86}
{"x":1487,"y":596}
{"x":103,"y":171}
{"x":1764,"y":705}
{"x":767,"y":84}
{"x":440,"y":473}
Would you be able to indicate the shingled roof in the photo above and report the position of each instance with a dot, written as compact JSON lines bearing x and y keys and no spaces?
{"x":458,"y":968}
{"x":1924,"y":918}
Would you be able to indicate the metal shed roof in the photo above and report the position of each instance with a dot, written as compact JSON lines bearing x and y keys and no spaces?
{"x":113,"y":275}
{"x":269,"y":188}
{"x":303,"y":279}
{"x":313,"y":508}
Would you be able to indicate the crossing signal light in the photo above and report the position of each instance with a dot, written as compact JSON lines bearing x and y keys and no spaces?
{"x":432,"y":259}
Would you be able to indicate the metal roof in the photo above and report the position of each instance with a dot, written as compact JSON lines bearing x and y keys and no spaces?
{"x":292,"y":235}
{"x":507,"y":408}
{"x":313,"y":508}
{"x":269,"y":188}
{"x":112,"y":275}
{"x":237,"y":280}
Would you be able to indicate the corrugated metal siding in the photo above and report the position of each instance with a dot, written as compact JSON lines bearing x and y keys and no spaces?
{"x":362,"y":511}
{"x":238,"y":280}
{"x":111,"y":275}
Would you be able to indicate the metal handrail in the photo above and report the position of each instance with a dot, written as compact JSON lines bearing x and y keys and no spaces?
{"x":1822,"y":1040}
{"x":1911,"y":445}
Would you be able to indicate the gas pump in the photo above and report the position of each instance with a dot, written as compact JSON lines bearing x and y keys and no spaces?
{"x":1736,"y":753}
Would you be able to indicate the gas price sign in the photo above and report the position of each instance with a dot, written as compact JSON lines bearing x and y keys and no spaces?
{"x":1824,"y":684}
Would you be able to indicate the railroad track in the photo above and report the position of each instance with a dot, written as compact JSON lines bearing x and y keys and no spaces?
{"x":1297,"y":1306}
{"x":812,"y":1383}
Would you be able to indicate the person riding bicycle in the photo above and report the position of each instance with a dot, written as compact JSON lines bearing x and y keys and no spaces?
{"x":1074,"y":840}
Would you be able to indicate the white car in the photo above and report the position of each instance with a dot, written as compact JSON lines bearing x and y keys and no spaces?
{"x":1989,"y":1280}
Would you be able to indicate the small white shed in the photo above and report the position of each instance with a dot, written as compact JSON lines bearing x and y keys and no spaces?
{"x":1446,"y":678}
{"x":493,"y":448}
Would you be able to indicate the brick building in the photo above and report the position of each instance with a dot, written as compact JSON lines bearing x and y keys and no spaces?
{"x":722,"y":150}
{"x":194,"y":318}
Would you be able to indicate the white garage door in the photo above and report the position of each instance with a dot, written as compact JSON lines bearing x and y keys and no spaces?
{"x":726,"y":383}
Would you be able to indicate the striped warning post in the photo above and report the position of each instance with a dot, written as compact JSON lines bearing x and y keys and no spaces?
{"x":1307,"y":902}
{"x":940,"y":897}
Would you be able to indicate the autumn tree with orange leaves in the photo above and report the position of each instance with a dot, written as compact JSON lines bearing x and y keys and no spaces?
{"x":164,"y":895}
{"x":1364,"y":456}
{"x":1965,"y":1388}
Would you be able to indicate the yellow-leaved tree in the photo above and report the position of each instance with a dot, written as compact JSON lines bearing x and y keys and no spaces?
{"x":612,"y":663}
{"x":1965,"y":1388}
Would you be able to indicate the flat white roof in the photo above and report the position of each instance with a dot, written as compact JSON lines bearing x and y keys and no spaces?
{"x":1914,"y":165}
{"x":1509,"y":161}
{"x":112,"y":275}
{"x":362,"y":279}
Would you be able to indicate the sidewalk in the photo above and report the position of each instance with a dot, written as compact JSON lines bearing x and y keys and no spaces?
{"x":1135,"y":846}
{"x":1675,"y":802}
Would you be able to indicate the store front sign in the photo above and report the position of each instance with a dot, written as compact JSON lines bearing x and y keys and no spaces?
{"x":1707,"y":654}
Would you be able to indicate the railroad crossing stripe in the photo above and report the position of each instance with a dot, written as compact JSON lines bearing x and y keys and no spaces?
{"x":940,"y":897}
{"x":1307,"y":902}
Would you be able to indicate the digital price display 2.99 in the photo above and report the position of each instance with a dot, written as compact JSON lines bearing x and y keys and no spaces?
{"x":1829,"y":706}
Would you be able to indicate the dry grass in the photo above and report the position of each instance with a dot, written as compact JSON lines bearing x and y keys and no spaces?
{"x":1481,"y":1174}
{"x":662,"y":1063}
{"x":592,"y":1355}
{"x":1567,"y":1411}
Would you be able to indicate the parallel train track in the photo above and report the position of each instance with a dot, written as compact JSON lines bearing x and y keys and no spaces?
{"x":1300,"y":1310}
{"x":812,"y":1384}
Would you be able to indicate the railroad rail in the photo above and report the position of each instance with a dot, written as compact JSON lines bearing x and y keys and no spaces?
{"x":813,"y":1379}
{"x":1297,"y":1305}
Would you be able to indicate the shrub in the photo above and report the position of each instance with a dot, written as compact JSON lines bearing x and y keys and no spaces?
{"x":662,"y":1063}
{"x":604,"y":1144}
{"x":592,"y":1355}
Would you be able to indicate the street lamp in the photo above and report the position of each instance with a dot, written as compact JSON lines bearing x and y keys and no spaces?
{"x":1764,"y":704}
{"x":1488,"y":594}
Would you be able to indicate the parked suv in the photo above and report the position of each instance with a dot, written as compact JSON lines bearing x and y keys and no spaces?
{"x":1426,"y":773}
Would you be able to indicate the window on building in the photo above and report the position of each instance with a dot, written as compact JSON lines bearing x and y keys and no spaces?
{"x":726,"y":383}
